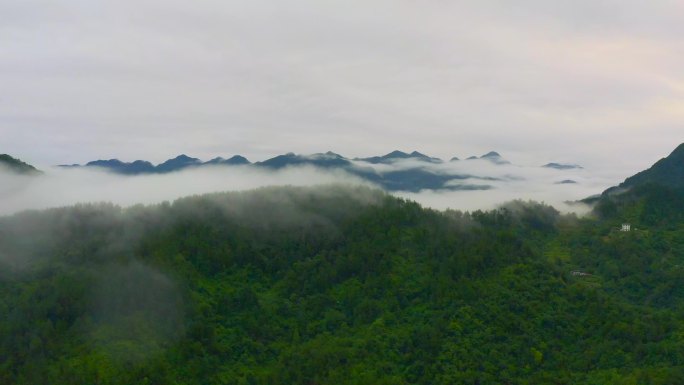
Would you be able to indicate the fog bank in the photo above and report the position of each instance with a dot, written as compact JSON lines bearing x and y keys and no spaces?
{"x":63,"y":187}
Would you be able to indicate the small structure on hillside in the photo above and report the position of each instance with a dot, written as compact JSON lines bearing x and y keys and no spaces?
{"x":626,"y":227}
{"x":579,"y":273}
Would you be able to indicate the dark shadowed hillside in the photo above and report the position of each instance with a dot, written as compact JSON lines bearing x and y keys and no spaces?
{"x":668,"y":171}
{"x":16,"y":165}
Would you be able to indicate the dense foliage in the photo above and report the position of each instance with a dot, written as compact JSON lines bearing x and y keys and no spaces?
{"x":342,"y":285}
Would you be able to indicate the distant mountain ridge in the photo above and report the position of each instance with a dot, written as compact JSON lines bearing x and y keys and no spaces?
{"x":562,"y":166}
{"x":136,"y":167}
{"x":324,"y":160}
{"x":236,"y":160}
{"x":398,"y":155}
{"x":494,"y":157}
{"x":17,"y":166}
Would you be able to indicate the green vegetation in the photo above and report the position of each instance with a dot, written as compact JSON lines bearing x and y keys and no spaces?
{"x":342,"y":285}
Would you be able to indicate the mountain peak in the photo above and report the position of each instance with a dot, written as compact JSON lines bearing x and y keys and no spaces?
{"x":17,"y":166}
{"x":141,"y":163}
{"x":678,"y":152}
{"x":562,"y":166}
{"x":326,"y":155}
{"x":494,"y":157}
{"x":421,"y":156}
{"x":115,"y":165}
{"x":396,"y":154}
{"x":237,"y":159}
{"x":177,"y":163}
{"x":327,"y":160}
{"x":233,"y":161}
{"x":333,"y":154}
{"x":105,"y":163}
{"x":184,"y":157}
{"x":491,"y":154}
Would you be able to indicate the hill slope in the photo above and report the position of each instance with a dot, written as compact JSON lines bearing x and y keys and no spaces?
{"x":17,"y":165}
{"x":668,"y":171}
{"x":335,"y":285}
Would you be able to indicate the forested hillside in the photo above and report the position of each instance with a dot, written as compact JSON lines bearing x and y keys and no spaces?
{"x":343,"y":285}
{"x":668,"y":171}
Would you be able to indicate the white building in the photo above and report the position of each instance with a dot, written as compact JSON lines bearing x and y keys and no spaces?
{"x":626,"y":227}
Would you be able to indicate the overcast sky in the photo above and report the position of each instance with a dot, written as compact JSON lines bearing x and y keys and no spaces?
{"x":594,"y":82}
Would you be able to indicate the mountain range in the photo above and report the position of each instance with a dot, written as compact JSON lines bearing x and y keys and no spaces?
{"x":323,"y":160}
{"x":413,"y":171}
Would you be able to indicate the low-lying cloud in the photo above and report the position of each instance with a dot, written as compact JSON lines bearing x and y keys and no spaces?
{"x":507,"y":182}
{"x":63,"y":187}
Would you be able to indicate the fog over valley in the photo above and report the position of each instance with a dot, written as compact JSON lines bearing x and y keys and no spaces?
{"x":477,"y":184}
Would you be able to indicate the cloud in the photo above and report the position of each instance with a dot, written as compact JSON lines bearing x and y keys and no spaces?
{"x":511,"y":182}
{"x":62,"y":187}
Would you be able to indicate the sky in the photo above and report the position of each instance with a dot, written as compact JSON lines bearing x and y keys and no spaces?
{"x":593,"y":82}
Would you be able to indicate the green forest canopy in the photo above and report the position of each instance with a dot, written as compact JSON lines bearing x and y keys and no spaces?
{"x":343,"y":285}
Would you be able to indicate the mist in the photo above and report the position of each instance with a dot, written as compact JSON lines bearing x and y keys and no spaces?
{"x":132,"y":306}
{"x":559,"y":188}
{"x":136,"y":311}
{"x":64,"y":187}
